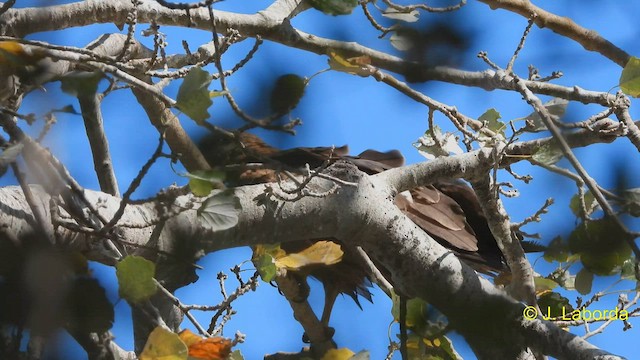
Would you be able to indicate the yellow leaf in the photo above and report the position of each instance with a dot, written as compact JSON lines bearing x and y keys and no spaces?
{"x":338,"y":354}
{"x":360,"y":60}
{"x":320,"y":253}
{"x":273,"y":249}
{"x":339,"y":60}
{"x":163,"y":344}
{"x":359,"y":65}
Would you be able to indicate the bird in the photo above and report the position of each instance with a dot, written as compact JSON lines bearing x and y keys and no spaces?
{"x":448,"y":211}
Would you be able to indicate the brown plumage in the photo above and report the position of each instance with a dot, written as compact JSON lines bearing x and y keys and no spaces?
{"x":449,"y":212}
{"x":346,"y":277}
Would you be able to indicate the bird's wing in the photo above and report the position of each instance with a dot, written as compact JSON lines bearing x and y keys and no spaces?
{"x":440,"y":216}
{"x":373,"y":162}
{"x":448,"y":211}
{"x":314,"y":156}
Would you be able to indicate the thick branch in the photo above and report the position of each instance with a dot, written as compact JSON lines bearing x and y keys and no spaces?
{"x":470,"y":164}
{"x":564,"y":26}
{"x":270,"y":25}
{"x":499,"y":223}
{"x":418,"y":265}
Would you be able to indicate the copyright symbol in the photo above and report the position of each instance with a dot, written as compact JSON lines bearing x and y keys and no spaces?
{"x":530,"y":313}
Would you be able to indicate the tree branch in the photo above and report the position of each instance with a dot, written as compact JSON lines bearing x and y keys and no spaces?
{"x":499,"y":223}
{"x":93,"y":123}
{"x":473,"y":163}
{"x":270,"y":25}
{"x":564,"y":26}
{"x":418,"y":265}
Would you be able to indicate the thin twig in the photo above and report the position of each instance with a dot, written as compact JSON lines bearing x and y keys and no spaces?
{"x":535,"y":102}
{"x":564,"y":26}
{"x":375,"y":273}
{"x":134,"y":185}
{"x":182,"y":308}
{"x":521,"y":43}
{"x":250,"y":285}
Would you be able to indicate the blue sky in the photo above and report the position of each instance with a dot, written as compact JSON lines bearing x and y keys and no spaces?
{"x":338,"y":109}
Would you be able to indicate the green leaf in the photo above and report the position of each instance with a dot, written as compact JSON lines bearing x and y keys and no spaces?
{"x":415,"y":347}
{"x":558,"y":250}
{"x":630,"y":77}
{"x":605,"y":264}
{"x":200,"y":187}
{"x":334,"y":7}
{"x":194,"y":98}
{"x":628,"y":270}
{"x":563,"y":278}
{"x":416,"y":308}
{"x":202,"y":182}
{"x":135,"y":278}
{"x":548,"y":154}
{"x":556,"y":108}
{"x":395,"y":306}
{"x":163,"y":344}
{"x":406,"y":16}
{"x":430,"y":149}
{"x":287,"y":93}
{"x":490,"y":115}
{"x":490,"y":118}
{"x":403,"y":38}
{"x":235,"y":355}
{"x":631,"y":202}
{"x":589,"y":201}
{"x":554,"y":305}
{"x":584,"y":281}
{"x":444,"y":349}
{"x":543,"y":284}
{"x":217,"y":93}
{"x":266,"y":267}
{"x":430,"y":348}
{"x":220,"y":211}
{"x":602,"y":246}
{"x":81,"y":83}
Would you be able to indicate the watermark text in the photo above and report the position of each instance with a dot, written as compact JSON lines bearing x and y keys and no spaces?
{"x":531,"y":312}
